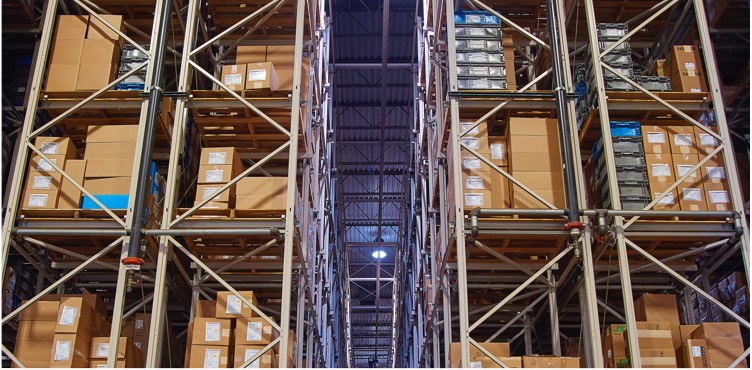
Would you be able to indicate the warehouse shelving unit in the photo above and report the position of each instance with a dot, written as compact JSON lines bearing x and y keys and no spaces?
{"x":496,"y":274}
{"x":282,"y":256}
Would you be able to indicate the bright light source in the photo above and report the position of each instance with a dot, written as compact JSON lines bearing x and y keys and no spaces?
{"x":379,"y":254}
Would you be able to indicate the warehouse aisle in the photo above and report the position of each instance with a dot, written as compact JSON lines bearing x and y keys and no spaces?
{"x":372,"y":113}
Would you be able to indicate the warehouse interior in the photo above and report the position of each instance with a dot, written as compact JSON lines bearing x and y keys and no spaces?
{"x":361,"y":183}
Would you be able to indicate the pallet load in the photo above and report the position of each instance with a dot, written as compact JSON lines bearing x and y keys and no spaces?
{"x":731,"y":290}
{"x":128,"y":355}
{"x":723,"y":344}
{"x":684,"y":66}
{"x":656,"y":344}
{"x":620,"y":58}
{"x":130,"y":58}
{"x":630,"y":163}
{"x":498,"y":349}
{"x":261,"y":193}
{"x":46,"y":188}
{"x":282,"y":58}
{"x":481,"y":62}
{"x":216,"y":168}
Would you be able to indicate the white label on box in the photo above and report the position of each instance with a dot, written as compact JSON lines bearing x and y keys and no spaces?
{"x":684,"y":168}
{"x":472,"y":18}
{"x":471,"y":142}
{"x":476,"y":57}
{"x":103,"y":349}
{"x":474,"y":182}
{"x":694,"y":89}
{"x":217,"y":157}
{"x":708,"y":140}
{"x":211,"y":358}
{"x":253,"y":333}
{"x":213,"y":330}
{"x":609,"y":353}
{"x":233,"y":79}
{"x":696,"y":351}
{"x":498,"y":151}
{"x":465,"y":125}
{"x":718,"y":197}
{"x":139,"y":324}
{"x":476,"y":32}
{"x":62,"y":350}
{"x":233,"y":305}
{"x":716,"y":173}
{"x":471,"y":163}
{"x":476,"y":365}
{"x":661,"y":169}
{"x":473,"y":199}
{"x":42,"y":182}
{"x":689,"y":65}
{"x":656,"y":138}
{"x":68,"y":316}
{"x":46,"y":166}
{"x":249,"y":353}
{"x":214,"y":175}
{"x":683,"y":139}
{"x":208,"y":192}
{"x":101,"y":366}
{"x":693,"y":194}
{"x":137,"y":344}
{"x":476,"y":44}
{"x":667,"y":199}
{"x":480,"y":84}
{"x":257,"y":75}
{"x":480,"y":71}
{"x":38,"y":200}
{"x":49,"y":148}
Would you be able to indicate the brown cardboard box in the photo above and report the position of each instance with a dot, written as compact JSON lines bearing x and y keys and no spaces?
{"x":111,"y":134}
{"x":209,"y":356}
{"x":213,"y":174}
{"x":261,"y":202}
{"x":70,"y":195}
{"x":282,"y":56}
{"x":216,"y":205}
{"x":723,"y":358}
{"x":706,"y":142}
{"x":92,"y":77}
{"x":570,"y":362}
{"x":541,"y":362}
{"x":657,"y":308}
{"x":533,"y":162}
{"x":546,"y":145}
{"x":35,"y":330}
{"x":233,"y":76}
{"x":261,"y":76}
{"x":477,"y":199}
{"x":141,"y":324}
{"x":717,"y":197}
{"x":76,"y":316}
{"x":499,"y":349}
{"x":615,"y":346}
{"x":480,"y":130}
{"x":244,"y":352}
{"x":108,"y":185}
{"x":253,"y":330}
{"x":98,"y":30}
{"x":71,"y":27}
{"x":92,"y":300}
{"x":205,"y":191}
{"x":532,"y":126}
{"x":100,"y":51}
{"x":54,"y":146}
{"x":670,"y":202}
{"x":501,"y":196}
{"x":120,"y":363}
{"x":522,"y":200}
{"x":486,"y":362}
{"x":108,"y":168}
{"x":210,"y":331}
{"x":40,"y":199}
{"x":70,"y":351}
{"x":692,"y":198}
{"x":540,"y":180}
{"x":475,"y":164}
{"x":37,"y":180}
{"x":713,"y":171}
{"x":683,"y":58}
{"x":658,"y":68}
{"x":43,"y":165}
{"x":660,"y":168}
{"x":688,"y":81}
{"x":100,"y":347}
{"x":118,"y":150}
{"x":683,"y":163}
{"x":655,"y":139}
{"x":262,"y":186}
{"x":220,"y":156}
{"x":126,"y":329}
{"x":694,"y":353}
{"x":654,"y":335}
{"x":716,"y":329}
{"x":250,"y":54}
{"x":206,"y":308}
{"x":61,"y":77}
{"x":33,"y":352}
{"x":658,"y":358}
{"x":498,"y":150}
{"x":66,"y":52}
{"x":682,"y":139}
{"x":229,"y":306}
{"x":40,"y":310}
{"x":141,"y":342}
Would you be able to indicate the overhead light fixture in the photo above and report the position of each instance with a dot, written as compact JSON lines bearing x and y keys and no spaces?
{"x":379,"y":254}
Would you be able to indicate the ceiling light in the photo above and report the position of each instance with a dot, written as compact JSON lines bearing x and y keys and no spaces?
{"x":379,"y":254}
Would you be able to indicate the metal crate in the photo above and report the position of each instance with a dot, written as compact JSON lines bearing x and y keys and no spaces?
{"x":470,"y":83}
{"x":481,"y":71}
{"x":612,"y":29}
{"x":655,"y":83}
{"x":474,"y":44}
{"x":477,"y":32}
{"x":480,"y":57}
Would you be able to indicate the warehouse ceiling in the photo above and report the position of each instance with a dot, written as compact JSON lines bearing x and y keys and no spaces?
{"x":372,"y":119}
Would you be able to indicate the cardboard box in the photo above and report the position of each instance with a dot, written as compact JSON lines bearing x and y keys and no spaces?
{"x":498,"y":150}
{"x":40,"y":199}
{"x":533,"y":162}
{"x":658,"y":358}
{"x":141,"y":342}
{"x":683,"y":163}
{"x":70,"y":195}
{"x":706,"y":142}
{"x":61,"y":77}
{"x":694,"y":353}
{"x":35,"y":330}
{"x":689,"y":81}
{"x":233,"y":76}
{"x":243,"y":353}
{"x":93,"y":300}
{"x":532,"y":126}
{"x":209,"y":356}
{"x":56,"y":146}
{"x":682,"y":139}
{"x":41,"y":310}
{"x":108,"y":168}
{"x":37,"y":163}
{"x":98,"y":30}
{"x":477,"y":199}
{"x":260,"y":202}
{"x":141,"y":324}
{"x":205,"y":191}
{"x":499,"y":349}
{"x":657,"y":308}
{"x":250,"y":54}
{"x":670,"y":202}
{"x":723,"y":358}
{"x":262,"y":186}
{"x":70,"y":351}
{"x":540,"y":180}
{"x":653,"y":335}
{"x":212,"y":332}
{"x":229,"y":306}
{"x":100,"y":51}
{"x":76,"y":316}
{"x":480,"y":130}
{"x":71,"y":27}
{"x":214,"y":174}
{"x":120,"y":363}
{"x":108,"y":185}
{"x":658,"y":68}
{"x":253,"y":331}
{"x":615,"y":346}
{"x":683,"y":58}
{"x":474,"y":164}
{"x":206,"y":308}
{"x":543,"y":362}
{"x":111,"y":134}
{"x":501,"y":196}
{"x":216,"y":205}
{"x":36,"y":180}
{"x":220,"y":156}
{"x":66,"y":52}
{"x":486,"y":362}
{"x":283,"y":56}
{"x":522,"y":200}
{"x":717,"y":197}
{"x":716,"y":330}
{"x":660,"y":168}
{"x":545,"y":145}
{"x":261,"y":76}
{"x":92,"y":77}
{"x":100,"y":347}
{"x":31,"y":351}
{"x":714,"y":171}
{"x":655,"y":139}
{"x":692,"y":197}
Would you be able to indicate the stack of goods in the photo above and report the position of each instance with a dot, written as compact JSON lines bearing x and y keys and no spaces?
{"x":36,"y":329}
{"x":479,"y":359}
{"x":216,"y":168}
{"x":46,"y":188}
{"x":660,"y":167}
{"x":684,"y":66}
{"x":731,"y":290}
{"x":128,"y":355}
{"x":535,"y":161}
{"x":130,"y":58}
{"x":67,"y":45}
{"x":261,"y":193}
{"x":715,"y":345}
{"x":283,"y":58}
{"x":615,"y":346}
{"x":480,"y":55}
{"x":136,"y":330}
{"x":619,"y":58}
{"x":110,"y":153}
{"x":252,"y":71}
{"x":656,"y":344}
{"x":630,"y":167}
{"x":78,"y":321}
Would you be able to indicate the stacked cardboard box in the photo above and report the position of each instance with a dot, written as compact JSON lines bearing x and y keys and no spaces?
{"x":660,"y":167}
{"x":46,"y":187}
{"x":100,"y":56}
{"x":615,"y":346}
{"x":261,"y":193}
{"x":535,"y":160}
{"x":489,"y":363}
{"x":109,"y":155}
{"x":78,"y":322}
{"x":36,"y":329}
{"x":251,"y":76}
{"x":217,"y":167}
{"x":656,"y":344}
{"x":283,"y":58}
{"x":723,"y":341}
{"x":498,"y":349}
{"x":136,"y":330}
{"x":67,"y":45}
{"x":731,"y":290}
{"x":684,"y":66}
{"x":128,"y":355}
{"x":476,"y":175}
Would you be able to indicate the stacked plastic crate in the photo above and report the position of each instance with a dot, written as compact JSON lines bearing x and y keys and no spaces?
{"x":480,"y":56}
{"x":130,"y":58}
{"x":619,"y":59}
{"x":631,"y":170}
{"x":582,"y":102}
